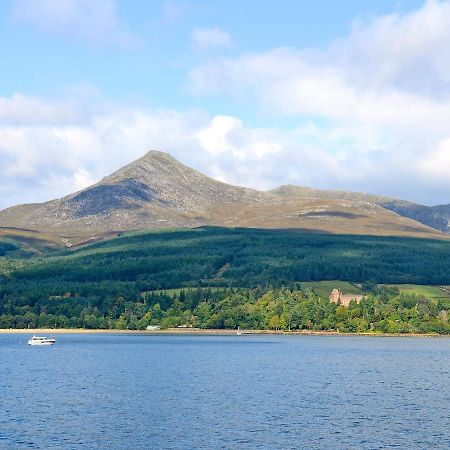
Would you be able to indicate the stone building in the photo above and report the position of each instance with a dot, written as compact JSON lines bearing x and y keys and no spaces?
{"x":345,"y":299}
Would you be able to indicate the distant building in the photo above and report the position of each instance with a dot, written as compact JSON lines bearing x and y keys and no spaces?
{"x":345,"y":299}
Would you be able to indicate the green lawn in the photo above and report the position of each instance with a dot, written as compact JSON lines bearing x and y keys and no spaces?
{"x":427,"y":291}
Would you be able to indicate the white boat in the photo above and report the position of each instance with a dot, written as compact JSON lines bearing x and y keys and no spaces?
{"x":41,"y":340}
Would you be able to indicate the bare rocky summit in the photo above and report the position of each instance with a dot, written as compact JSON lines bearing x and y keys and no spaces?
{"x":157,"y":191}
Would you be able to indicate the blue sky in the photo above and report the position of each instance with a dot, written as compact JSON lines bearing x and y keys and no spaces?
{"x":39,"y":59}
{"x":339,"y":95}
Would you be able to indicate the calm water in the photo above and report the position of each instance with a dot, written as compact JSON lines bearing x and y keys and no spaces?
{"x":237,"y":392}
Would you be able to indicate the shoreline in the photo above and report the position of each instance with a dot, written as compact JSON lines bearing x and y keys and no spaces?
{"x":208,"y":332}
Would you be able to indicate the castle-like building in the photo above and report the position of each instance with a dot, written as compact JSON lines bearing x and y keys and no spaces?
{"x":345,"y":299}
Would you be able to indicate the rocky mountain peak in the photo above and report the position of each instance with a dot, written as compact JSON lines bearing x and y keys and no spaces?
{"x":154,"y":163}
{"x":158,"y":191}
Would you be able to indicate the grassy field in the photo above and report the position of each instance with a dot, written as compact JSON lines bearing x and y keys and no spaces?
{"x":321,"y":288}
{"x":426,"y":291}
{"x":324,"y":288}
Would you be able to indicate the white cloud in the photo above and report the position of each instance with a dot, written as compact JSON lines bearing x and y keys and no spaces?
{"x":436,"y":163}
{"x":47,"y":158}
{"x":94,"y":21}
{"x":379,"y":99}
{"x":26,"y":110}
{"x":370,"y":113}
{"x":205,"y":39}
{"x":408,"y":54}
{"x":226,"y":135}
{"x":46,"y":151}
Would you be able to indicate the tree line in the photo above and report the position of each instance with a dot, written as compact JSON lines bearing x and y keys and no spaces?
{"x":103,"y":285}
{"x":382,"y":309}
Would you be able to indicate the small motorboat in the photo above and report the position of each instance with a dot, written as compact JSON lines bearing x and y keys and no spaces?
{"x":41,"y":340}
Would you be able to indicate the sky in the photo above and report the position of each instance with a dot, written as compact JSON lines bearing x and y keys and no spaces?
{"x":350,"y":95}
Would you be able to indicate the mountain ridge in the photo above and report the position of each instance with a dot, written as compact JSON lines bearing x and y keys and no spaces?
{"x":437,"y":217}
{"x":157,"y":191}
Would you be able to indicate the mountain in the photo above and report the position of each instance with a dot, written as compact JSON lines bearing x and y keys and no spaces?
{"x":157,"y":191}
{"x":152,"y":192}
{"x":437,"y":217}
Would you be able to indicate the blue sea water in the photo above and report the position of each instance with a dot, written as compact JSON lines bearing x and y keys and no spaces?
{"x":231,"y":392}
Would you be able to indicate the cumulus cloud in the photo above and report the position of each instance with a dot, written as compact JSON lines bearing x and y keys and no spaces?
{"x":94,"y":21}
{"x":210,"y":38}
{"x":50,"y":157}
{"x":407,"y":55}
{"x":25,"y":110}
{"x":370,"y":113}
{"x":59,"y":153}
{"x":66,"y":150}
{"x":379,"y":97}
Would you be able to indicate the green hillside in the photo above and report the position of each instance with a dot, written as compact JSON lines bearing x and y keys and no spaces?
{"x":148,"y":277}
{"x":243,"y":257}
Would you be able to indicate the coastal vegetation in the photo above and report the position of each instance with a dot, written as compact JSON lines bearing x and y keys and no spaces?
{"x":382,"y":310}
{"x":225,"y":278}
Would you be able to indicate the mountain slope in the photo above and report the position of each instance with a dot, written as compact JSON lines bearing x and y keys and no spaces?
{"x":153,"y":192}
{"x":437,"y":217}
{"x":157,"y":191}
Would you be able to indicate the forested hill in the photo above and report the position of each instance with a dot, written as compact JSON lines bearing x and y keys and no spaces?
{"x":112,"y":284}
{"x":144,"y":261}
